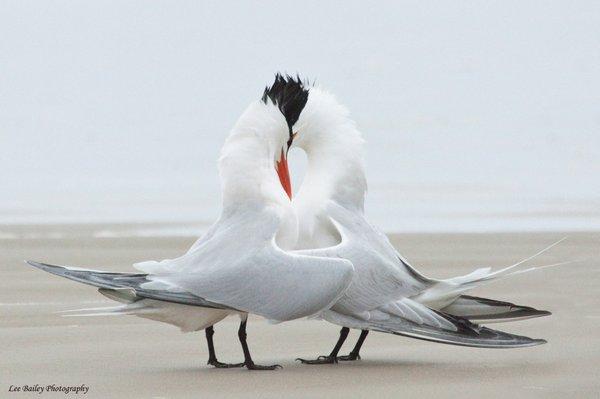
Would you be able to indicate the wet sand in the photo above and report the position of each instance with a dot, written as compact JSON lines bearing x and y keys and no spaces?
{"x":129,"y":357}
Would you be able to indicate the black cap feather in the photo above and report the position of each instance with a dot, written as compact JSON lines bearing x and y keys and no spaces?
{"x":289,"y":94}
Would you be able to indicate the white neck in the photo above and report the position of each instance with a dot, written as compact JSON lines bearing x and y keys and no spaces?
{"x":334,"y":150}
{"x":335,"y":170}
{"x":247,"y":168}
{"x":247,"y":162}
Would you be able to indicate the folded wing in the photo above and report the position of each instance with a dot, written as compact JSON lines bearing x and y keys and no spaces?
{"x":271,"y":282}
{"x":131,"y":282}
{"x":462,"y":332}
{"x":240,"y":267}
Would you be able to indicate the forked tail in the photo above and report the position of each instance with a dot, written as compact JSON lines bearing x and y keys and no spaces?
{"x":447,"y":295}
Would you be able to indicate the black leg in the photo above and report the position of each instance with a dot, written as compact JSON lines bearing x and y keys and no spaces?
{"x":247,"y":358}
{"x":212,"y":357}
{"x":332,"y":357}
{"x":354,"y":355}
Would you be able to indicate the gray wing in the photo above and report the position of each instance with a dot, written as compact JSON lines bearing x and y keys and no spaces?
{"x":270,"y":282}
{"x":241,"y":266}
{"x":465,"y":333}
{"x":484,"y":310}
{"x":125,"y":281}
{"x":380,"y":276}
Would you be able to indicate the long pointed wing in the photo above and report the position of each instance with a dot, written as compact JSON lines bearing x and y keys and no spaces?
{"x":238,"y":267}
{"x":125,"y":281}
{"x":241,"y":266}
{"x":465,"y":334}
{"x":272,"y":284}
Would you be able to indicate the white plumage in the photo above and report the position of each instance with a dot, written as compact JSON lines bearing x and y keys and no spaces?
{"x":313,"y":255}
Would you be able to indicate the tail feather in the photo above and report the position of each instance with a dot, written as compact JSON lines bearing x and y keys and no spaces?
{"x":123,"y":295}
{"x":443,"y":293}
{"x":486,"y":274}
{"x":506,"y":269}
{"x":119,"y":310}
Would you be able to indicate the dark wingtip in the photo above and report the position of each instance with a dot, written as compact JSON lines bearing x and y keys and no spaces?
{"x":58,"y":270}
{"x":515,"y":312}
{"x":542,"y":313}
{"x":528,"y":312}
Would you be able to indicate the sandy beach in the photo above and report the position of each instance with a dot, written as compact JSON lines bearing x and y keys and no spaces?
{"x":129,"y":357}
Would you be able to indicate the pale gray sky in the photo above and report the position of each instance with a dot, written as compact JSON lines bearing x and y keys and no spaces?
{"x":116,"y":110}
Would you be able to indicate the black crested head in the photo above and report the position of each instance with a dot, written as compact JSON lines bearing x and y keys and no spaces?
{"x":290,"y":95}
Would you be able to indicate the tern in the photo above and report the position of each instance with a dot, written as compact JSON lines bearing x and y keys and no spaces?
{"x":387,"y":294}
{"x":316,"y":254}
{"x":243,"y":264}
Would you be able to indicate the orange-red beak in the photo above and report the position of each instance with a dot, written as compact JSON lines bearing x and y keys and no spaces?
{"x":284,"y":174}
